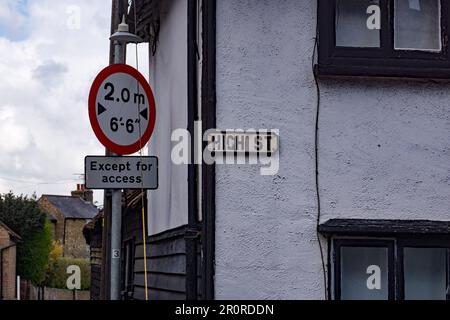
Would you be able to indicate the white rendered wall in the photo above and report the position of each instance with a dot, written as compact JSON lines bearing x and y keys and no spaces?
{"x":384,"y":151}
{"x":168,"y":74}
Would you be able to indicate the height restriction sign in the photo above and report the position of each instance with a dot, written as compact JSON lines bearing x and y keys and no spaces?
{"x":122,"y":109}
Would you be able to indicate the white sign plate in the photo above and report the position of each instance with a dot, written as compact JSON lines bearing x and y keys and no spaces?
{"x":243,"y":142}
{"x":121,"y":172}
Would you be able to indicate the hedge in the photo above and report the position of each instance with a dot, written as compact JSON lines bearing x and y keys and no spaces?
{"x":57,"y":273}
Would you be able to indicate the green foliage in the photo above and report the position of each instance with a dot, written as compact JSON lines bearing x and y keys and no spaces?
{"x":57,"y":272}
{"x":56,"y":253}
{"x":24,"y":216}
{"x":34,"y":255}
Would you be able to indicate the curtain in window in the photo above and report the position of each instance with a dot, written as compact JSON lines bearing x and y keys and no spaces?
{"x":351,"y":24}
{"x":417,"y":25}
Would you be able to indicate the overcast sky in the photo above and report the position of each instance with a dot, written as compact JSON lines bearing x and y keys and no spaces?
{"x":50,"y":53}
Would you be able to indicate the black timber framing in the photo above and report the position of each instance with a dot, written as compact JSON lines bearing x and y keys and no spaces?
{"x":192,"y":232}
{"x":208,"y":171}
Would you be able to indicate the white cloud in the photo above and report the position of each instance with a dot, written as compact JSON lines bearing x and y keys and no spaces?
{"x":14,"y":137}
{"x":50,"y":73}
{"x":44,"y":127}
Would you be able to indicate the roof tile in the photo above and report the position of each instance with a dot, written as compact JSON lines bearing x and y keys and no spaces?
{"x":73,"y":207}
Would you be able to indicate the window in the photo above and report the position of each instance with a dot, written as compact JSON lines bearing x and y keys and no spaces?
{"x":425,"y":273}
{"x":400,"y":268}
{"x":400,"y":38}
{"x":363,"y":270}
{"x":417,"y":25}
{"x":351,"y":29}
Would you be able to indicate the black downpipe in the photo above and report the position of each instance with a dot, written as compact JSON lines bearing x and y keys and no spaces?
{"x":329,"y":268}
{"x":208,"y":171}
{"x":64,"y":237}
{"x":192,"y":233}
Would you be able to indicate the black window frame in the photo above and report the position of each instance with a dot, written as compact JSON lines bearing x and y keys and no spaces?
{"x":384,"y":61}
{"x":395,"y":246}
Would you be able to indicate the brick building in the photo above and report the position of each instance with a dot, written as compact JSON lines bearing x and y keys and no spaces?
{"x":8,"y":240}
{"x":69,"y":215}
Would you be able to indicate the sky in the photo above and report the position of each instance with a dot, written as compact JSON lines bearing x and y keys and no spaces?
{"x":50,"y":53}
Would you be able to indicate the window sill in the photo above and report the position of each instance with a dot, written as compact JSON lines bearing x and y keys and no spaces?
{"x":386,"y":227}
{"x":322,"y":70}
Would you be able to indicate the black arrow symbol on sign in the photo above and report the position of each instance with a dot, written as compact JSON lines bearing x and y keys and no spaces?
{"x":144,"y":114}
{"x":100,"y":109}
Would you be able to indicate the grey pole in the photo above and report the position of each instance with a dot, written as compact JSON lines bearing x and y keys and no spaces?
{"x":116,"y":239}
{"x":120,"y":38}
{"x":116,"y":212}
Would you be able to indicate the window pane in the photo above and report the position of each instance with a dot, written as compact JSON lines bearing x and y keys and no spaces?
{"x":351,"y":24}
{"x":364,"y":273}
{"x":425,"y":273}
{"x":417,"y":25}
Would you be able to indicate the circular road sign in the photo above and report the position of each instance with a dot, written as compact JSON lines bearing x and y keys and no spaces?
{"x":122,"y":109}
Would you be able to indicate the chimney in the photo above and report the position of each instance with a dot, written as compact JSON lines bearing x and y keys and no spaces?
{"x":85,"y":194}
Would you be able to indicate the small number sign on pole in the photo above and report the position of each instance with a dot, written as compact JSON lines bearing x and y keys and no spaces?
{"x":122,"y":109}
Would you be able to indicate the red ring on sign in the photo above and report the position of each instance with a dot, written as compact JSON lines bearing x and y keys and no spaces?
{"x":110,"y":145}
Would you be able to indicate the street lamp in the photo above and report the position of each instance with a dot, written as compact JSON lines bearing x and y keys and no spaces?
{"x":123,"y":34}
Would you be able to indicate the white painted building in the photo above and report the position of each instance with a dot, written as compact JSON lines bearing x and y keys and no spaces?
{"x":367,"y":109}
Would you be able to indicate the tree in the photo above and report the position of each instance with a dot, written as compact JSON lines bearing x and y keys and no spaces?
{"x":33,"y":255}
{"x":21,"y":214}
{"x":24,"y":216}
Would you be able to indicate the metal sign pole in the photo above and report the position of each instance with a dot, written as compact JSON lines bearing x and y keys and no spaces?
{"x":116,"y":212}
{"x":116,"y":232}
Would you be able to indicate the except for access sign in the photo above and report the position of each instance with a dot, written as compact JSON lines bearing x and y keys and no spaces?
{"x":121,"y":172}
{"x":122,"y":109}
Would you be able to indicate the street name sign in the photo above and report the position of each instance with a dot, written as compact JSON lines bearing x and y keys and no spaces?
{"x":251,"y":142}
{"x":121,"y":172}
{"x":122,"y":109}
